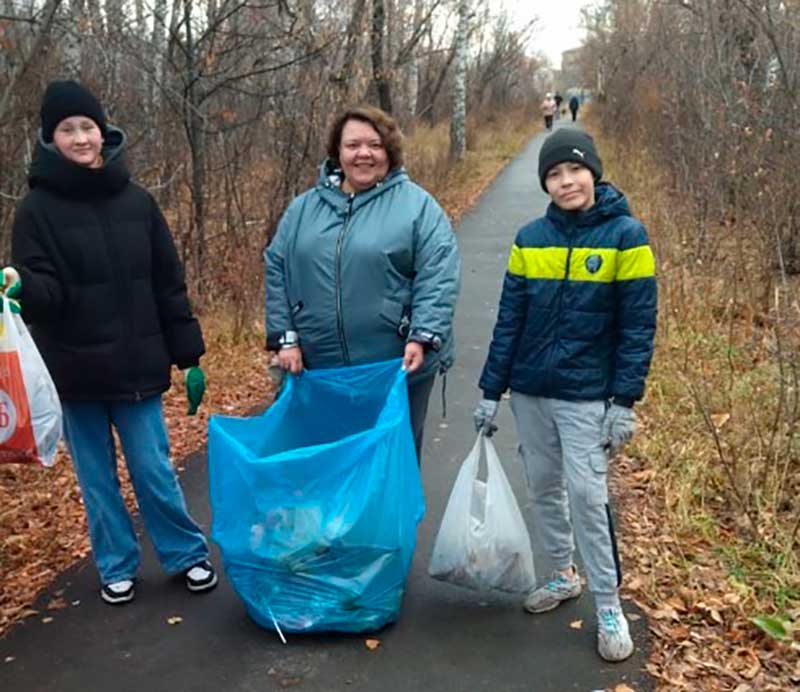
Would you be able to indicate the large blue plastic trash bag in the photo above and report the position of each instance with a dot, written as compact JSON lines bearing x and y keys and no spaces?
{"x":316,"y":502}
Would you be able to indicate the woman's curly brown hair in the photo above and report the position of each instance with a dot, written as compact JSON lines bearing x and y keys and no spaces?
{"x":385,"y":125}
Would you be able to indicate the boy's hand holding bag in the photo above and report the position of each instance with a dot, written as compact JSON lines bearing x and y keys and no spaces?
{"x":619,"y":425}
{"x":484,"y":416}
{"x":483,"y":542}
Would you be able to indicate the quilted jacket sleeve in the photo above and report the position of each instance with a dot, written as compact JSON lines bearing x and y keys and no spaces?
{"x":180,"y":327}
{"x":636,"y":312}
{"x":42,"y":296}
{"x":437,"y":272}
{"x":278,"y":310}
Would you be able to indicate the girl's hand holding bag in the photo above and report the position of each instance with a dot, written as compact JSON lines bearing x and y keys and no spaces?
{"x":30,"y":412}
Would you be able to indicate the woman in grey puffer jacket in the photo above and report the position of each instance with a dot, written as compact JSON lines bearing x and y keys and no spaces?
{"x":364,"y":266}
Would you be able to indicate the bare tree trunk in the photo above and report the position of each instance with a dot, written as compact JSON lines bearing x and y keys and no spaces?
{"x":159,"y":40}
{"x":458,"y":122}
{"x":73,"y":38}
{"x":141,"y":21}
{"x":19,"y":69}
{"x":412,"y":69}
{"x":379,"y":76}
{"x":345,"y":76}
{"x":197,"y":144}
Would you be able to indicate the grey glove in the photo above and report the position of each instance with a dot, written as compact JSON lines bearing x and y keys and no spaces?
{"x":484,"y":416}
{"x":619,"y":425}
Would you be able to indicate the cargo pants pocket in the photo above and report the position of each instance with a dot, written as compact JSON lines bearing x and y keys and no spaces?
{"x":597,"y":478}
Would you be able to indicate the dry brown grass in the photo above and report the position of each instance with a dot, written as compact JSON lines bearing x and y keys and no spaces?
{"x":491,"y":145}
{"x":710,"y":488}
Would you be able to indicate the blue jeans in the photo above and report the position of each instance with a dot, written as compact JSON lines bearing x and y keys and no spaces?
{"x":178,"y":541}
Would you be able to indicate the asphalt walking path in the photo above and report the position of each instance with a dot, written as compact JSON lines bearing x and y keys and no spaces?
{"x":448,"y":639}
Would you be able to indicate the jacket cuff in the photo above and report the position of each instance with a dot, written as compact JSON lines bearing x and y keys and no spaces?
{"x":429,"y":340}
{"x":273,"y":343}
{"x":493,"y":396}
{"x":625,"y":401}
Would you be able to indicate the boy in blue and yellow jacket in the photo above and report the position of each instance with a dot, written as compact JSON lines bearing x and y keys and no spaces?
{"x":573,"y":342}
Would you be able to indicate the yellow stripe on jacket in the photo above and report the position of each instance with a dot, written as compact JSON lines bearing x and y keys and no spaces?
{"x":603,"y":265}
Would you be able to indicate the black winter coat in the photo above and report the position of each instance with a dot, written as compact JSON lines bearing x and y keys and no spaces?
{"x":102,"y":285}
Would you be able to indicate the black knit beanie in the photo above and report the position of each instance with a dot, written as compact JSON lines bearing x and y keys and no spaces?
{"x":63,"y":99}
{"x":569,"y":144}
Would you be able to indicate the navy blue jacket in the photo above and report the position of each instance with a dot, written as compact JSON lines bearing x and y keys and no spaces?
{"x":577,"y":315}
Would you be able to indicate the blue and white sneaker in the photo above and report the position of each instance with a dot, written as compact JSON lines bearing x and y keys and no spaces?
{"x":614,"y":641}
{"x":553,"y":593}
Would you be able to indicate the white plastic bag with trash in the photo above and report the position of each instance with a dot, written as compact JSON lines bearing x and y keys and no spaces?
{"x":483,"y":542}
{"x":30,"y":412}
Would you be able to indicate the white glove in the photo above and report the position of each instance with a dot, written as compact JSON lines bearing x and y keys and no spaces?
{"x":619,"y":425}
{"x":484,"y":416}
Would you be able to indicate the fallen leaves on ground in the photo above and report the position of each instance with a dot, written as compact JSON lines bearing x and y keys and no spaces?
{"x":701,"y":634}
{"x":174,"y":620}
{"x":57,"y":603}
{"x":576,"y":624}
{"x":372,"y":644}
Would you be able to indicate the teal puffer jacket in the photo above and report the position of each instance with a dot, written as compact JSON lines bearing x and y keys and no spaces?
{"x":354,"y":275}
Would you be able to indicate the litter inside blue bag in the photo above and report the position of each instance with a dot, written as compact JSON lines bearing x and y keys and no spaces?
{"x":316,"y":502}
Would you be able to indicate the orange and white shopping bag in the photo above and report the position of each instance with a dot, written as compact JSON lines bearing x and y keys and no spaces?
{"x":30,"y":412}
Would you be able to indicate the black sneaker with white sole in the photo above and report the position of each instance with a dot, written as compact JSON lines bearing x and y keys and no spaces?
{"x":118,"y":592}
{"x":201,"y":577}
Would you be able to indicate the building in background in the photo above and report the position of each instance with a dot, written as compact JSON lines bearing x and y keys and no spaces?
{"x":571,"y":79}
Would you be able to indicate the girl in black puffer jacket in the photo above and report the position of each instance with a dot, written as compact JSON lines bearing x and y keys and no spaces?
{"x":103,"y":290}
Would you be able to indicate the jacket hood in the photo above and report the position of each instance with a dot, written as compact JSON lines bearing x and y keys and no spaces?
{"x":609,"y":203}
{"x":329,"y":185}
{"x":50,"y":170}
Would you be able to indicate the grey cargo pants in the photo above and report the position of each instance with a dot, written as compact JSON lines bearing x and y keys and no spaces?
{"x":566,"y":468}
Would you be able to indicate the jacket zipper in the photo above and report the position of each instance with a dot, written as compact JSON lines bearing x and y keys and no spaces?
{"x":339,"y":315}
{"x":565,"y":279}
{"x":119,"y":270}
{"x":563,"y":288}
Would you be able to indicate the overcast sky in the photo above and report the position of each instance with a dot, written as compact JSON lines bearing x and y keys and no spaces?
{"x":559,"y":25}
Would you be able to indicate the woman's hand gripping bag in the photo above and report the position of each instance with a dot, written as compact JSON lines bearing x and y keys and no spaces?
{"x":316,"y":502}
{"x":30,"y":412}
{"x":483,"y":542}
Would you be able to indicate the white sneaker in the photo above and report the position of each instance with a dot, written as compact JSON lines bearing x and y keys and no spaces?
{"x":551,"y":595}
{"x":614,"y":641}
{"x":118,"y":592}
{"x":201,"y":577}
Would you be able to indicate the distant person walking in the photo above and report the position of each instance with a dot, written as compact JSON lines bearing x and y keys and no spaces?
{"x":574,"y":105}
{"x":548,"y":108}
{"x":558,"y":99}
